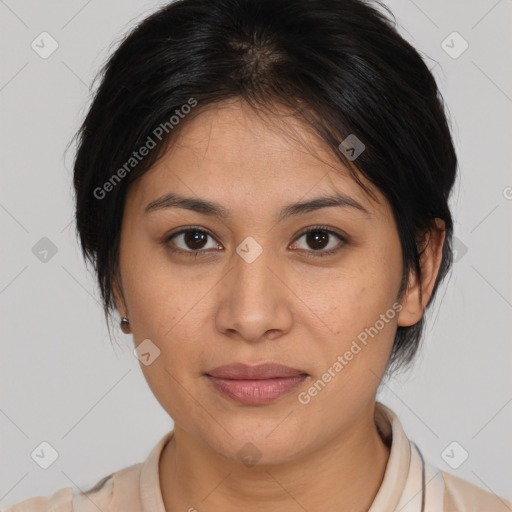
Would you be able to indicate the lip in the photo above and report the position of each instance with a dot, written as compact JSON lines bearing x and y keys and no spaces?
{"x":242,"y":371}
{"x":255,"y":385}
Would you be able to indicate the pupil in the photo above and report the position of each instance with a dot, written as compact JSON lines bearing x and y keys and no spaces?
{"x":195,"y":237}
{"x":315,"y":237}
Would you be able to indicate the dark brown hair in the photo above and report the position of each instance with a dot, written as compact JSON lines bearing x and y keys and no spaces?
{"x":340,"y":65}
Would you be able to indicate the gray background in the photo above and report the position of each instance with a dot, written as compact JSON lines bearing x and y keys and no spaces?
{"x":61,"y":379}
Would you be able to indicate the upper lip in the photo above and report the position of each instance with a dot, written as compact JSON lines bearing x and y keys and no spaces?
{"x":256,"y":372}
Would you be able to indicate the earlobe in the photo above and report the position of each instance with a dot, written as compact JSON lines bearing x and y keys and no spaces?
{"x":419,"y":292}
{"x":411,"y":311}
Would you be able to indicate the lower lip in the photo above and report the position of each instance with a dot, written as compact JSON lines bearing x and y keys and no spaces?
{"x":256,"y":392}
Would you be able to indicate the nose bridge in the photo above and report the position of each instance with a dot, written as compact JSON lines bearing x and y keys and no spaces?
{"x":252,"y":276}
{"x":253,"y":299}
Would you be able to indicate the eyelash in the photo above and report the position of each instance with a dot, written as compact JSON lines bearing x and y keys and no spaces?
{"x":316,"y":254}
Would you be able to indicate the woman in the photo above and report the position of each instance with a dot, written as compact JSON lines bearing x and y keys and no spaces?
{"x":262,"y":187}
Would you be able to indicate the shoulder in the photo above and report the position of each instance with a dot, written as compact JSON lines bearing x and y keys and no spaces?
{"x":463,"y":496}
{"x":60,"y":501}
{"x":100,"y":497}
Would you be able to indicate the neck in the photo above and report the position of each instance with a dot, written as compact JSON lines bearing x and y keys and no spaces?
{"x":344,"y":474}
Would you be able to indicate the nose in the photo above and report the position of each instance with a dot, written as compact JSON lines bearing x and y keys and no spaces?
{"x":255,"y":303}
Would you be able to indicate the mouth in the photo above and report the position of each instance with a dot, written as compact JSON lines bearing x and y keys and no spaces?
{"x":255,"y":385}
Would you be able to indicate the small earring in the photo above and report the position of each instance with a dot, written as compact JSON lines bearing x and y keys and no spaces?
{"x":125,"y":325}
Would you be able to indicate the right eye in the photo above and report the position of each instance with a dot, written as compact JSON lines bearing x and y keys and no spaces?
{"x":191,"y":242}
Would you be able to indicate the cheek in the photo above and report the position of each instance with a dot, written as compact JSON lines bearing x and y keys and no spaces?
{"x":169,"y":306}
{"x":160,"y":295}
{"x":355,"y":294}
{"x":357,"y":305}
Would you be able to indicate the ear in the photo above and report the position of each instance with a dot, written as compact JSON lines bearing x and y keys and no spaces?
{"x":117,"y":292}
{"x":431,"y":251}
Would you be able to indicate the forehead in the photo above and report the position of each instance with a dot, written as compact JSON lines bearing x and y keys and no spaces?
{"x":230,"y":146}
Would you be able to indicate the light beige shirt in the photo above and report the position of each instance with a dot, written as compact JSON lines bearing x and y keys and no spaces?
{"x":137,"y":487}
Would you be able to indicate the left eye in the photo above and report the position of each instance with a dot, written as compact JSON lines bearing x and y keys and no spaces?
{"x":320,"y":240}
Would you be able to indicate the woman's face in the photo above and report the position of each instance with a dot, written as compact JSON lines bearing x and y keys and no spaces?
{"x":251,"y":287}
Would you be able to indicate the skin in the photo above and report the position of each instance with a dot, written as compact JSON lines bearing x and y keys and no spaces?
{"x":206,"y":311}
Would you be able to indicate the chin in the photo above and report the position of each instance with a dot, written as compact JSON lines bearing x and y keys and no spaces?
{"x":257,"y":445}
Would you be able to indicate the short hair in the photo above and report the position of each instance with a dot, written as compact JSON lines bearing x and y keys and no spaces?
{"x":340,"y":66}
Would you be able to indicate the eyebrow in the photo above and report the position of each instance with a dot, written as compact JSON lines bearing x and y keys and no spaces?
{"x":211,"y":208}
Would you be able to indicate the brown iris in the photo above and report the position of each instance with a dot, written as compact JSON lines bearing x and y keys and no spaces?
{"x":317,"y":239}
